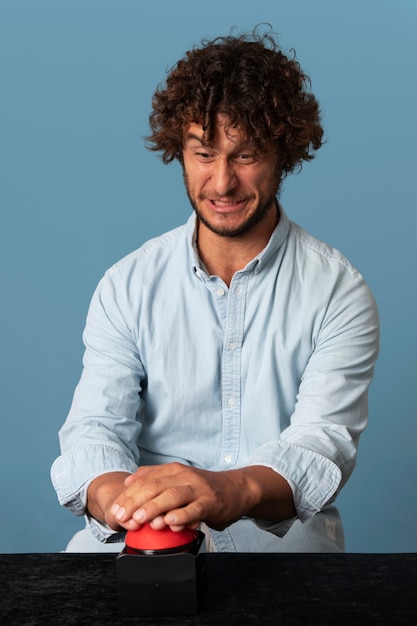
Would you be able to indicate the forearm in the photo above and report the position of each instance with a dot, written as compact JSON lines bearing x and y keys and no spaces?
{"x":270,"y":497}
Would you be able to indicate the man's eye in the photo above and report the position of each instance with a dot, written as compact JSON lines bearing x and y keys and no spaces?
{"x":246,"y":157}
{"x":203,"y":155}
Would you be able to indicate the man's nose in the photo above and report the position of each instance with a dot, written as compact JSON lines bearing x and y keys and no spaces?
{"x":224,"y":177}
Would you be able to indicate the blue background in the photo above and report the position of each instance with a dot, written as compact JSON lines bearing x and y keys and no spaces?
{"x":78,"y":190}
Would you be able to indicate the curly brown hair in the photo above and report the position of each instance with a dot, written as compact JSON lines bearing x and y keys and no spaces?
{"x":247,"y":78}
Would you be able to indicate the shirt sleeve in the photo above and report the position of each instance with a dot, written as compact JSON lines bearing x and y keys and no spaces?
{"x":103,"y":425}
{"x":317,"y":451}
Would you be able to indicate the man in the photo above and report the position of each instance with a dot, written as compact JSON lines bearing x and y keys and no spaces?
{"x":228,"y":361}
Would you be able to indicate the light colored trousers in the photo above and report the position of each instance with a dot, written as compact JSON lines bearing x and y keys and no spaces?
{"x":322,"y":533}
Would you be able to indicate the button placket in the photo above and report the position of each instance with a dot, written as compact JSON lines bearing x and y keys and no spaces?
{"x":231,"y":368}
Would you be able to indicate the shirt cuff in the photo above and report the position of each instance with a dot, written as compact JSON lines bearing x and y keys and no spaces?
{"x":313,"y":478}
{"x":72,"y":472}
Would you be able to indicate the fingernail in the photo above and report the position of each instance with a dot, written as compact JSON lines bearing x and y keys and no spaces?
{"x":157,"y":523}
{"x":139,"y":516}
{"x":118,"y":511}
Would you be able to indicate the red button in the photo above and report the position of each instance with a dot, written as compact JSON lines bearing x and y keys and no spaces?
{"x":146,"y":538}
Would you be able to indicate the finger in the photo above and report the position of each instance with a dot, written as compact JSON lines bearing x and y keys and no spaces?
{"x":190,"y":515}
{"x":149,"y":472}
{"x":170,"y":498}
{"x":137,"y":493}
{"x":158,"y":523}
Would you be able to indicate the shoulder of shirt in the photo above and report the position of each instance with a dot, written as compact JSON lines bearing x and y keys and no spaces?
{"x":313,"y":246}
{"x":153,"y":250}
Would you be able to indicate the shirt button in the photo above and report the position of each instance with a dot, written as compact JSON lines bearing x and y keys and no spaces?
{"x":231,"y":402}
{"x":228,"y":459}
{"x":232,"y":345}
{"x":220,"y":292}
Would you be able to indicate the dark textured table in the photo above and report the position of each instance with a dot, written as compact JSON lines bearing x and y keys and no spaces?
{"x":279,"y":589}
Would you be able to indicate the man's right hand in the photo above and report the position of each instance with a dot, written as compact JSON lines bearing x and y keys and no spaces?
{"x":102,"y":493}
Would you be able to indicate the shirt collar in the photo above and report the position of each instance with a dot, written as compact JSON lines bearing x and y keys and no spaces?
{"x":276,"y":240}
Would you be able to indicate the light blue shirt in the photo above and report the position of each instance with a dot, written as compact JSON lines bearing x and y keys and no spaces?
{"x":273,"y":370}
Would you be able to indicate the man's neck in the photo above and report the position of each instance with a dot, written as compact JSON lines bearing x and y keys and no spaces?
{"x":224,"y":256}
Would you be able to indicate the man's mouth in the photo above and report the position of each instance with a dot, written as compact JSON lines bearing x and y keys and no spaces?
{"x":226,"y":206}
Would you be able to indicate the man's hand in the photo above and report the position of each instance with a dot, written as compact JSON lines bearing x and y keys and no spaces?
{"x":101,"y":494}
{"x":177,"y":496}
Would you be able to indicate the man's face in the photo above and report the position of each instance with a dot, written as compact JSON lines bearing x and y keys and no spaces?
{"x":230,"y":186}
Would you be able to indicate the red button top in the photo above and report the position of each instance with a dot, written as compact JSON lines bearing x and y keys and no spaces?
{"x":146,"y":538}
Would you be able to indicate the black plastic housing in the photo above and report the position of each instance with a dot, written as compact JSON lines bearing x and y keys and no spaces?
{"x":161,"y":583}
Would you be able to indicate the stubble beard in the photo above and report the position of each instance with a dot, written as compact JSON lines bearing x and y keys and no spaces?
{"x":253,"y":220}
